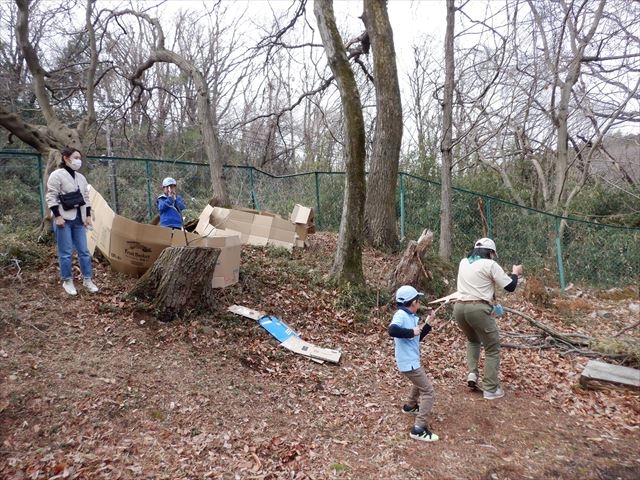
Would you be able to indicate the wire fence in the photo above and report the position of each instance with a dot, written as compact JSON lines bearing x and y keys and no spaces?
{"x":562,"y":250}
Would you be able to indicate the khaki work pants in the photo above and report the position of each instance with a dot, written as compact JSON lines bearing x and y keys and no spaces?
{"x":421,"y":394}
{"x":481,"y":330}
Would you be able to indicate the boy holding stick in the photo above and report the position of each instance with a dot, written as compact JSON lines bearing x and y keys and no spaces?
{"x":407,"y":334}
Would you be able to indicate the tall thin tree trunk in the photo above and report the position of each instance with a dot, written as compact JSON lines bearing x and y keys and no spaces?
{"x":446,"y":146}
{"x":347,"y":266}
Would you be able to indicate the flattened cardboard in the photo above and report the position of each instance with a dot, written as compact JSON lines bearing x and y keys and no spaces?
{"x":277,"y":328}
{"x":247,"y":312}
{"x":299,"y":346}
{"x":132,"y":247}
{"x":287,"y":337}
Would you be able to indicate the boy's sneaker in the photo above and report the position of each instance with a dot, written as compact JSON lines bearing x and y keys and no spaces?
{"x":423,"y":434}
{"x":89,"y":285}
{"x":497,"y":393}
{"x":69,"y":287}
{"x":408,"y":409}
{"x":472,"y":380}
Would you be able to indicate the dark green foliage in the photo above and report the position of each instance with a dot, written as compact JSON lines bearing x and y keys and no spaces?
{"x":23,"y":249}
{"x":592,"y":254}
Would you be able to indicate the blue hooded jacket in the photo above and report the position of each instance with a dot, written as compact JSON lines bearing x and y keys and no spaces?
{"x":169,"y":211}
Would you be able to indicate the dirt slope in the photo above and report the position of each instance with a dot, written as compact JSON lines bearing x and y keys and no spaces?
{"x":95,"y":387}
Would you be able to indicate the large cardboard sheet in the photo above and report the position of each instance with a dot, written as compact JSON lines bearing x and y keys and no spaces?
{"x":287,"y":337}
{"x":132,"y":247}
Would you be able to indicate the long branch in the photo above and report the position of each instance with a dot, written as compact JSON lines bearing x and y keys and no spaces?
{"x":565,"y":338}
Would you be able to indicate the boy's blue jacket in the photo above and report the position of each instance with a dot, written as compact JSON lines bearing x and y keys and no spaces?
{"x":407,"y":346}
{"x":170,"y":211}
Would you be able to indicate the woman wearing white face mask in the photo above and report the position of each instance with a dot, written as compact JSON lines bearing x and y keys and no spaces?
{"x":70,"y":223}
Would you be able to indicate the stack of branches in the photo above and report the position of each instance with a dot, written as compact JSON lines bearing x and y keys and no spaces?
{"x":613,"y":348}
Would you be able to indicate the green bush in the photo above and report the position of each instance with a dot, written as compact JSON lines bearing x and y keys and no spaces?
{"x":23,"y":249}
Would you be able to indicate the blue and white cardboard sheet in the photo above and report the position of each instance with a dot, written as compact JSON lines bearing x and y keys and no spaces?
{"x":288,"y":338}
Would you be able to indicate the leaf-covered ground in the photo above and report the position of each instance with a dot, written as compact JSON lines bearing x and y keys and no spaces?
{"x":95,"y":387}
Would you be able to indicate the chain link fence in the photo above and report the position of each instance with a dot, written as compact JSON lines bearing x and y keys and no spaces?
{"x":562,"y":250}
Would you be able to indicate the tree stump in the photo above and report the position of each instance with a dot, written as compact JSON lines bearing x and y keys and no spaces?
{"x":426,"y":273}
{"x":178,"y":281}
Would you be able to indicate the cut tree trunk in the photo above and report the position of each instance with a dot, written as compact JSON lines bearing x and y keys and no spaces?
{"x":179,"y":281}
{"x":411,"y":269}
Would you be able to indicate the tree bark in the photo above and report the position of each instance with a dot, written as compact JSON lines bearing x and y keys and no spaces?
{"x":207,"y":118}
{"x":380,"y":209}
{"x":447,"y":136}
{"x":179,"y":281}
{"x":347,"y":266}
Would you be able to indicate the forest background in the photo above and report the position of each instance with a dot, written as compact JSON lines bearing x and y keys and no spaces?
{"x":532,"y":102}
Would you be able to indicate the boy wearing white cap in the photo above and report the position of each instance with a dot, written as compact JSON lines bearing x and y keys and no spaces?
{"x":407,"y":334}
{"x":170,"y":205}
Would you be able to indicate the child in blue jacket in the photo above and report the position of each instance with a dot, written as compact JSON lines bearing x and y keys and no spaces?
{"x":407,"y":334}
{"x":170,"y":205}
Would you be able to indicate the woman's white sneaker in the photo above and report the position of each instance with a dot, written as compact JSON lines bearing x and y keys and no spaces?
{"x":89,"y":285}
{"x":69,"y":287}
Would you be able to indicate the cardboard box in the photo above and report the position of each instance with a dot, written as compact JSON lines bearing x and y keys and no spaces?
{"x":254,"y":227}
{"x":132,"y":247}
{"x":303,"y":218}
{"x":227,"y":271}
{"x":302,"y":215}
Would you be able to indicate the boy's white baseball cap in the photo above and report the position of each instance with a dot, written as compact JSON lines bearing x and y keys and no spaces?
{"x":168,"y":181}
{"x":406,"y":293}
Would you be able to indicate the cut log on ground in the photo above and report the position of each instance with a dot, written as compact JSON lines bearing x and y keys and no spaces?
{"x":179,"y":281}
{"x":596,"y":373}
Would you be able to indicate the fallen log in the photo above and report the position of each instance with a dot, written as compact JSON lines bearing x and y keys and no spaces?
{"x":596,"y":373}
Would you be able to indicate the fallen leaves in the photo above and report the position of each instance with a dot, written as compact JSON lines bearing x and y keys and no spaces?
{"x":118,"y":395}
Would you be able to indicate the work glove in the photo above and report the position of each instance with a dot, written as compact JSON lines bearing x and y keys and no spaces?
{"x":497,"y":310}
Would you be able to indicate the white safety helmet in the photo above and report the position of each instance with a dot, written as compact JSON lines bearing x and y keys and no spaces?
{"x":486,"y":243}
{"x":406,"y":293}
{"x":168,"y":181}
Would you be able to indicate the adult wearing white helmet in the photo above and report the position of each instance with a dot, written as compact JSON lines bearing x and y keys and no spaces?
{"x":478,"y":276}
{"x":170,"y":205}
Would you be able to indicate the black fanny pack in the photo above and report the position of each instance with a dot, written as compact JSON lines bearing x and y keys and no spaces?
{"x":72,"y":200}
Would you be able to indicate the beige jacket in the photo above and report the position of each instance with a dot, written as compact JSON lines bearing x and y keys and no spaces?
{"x":60,"y":182}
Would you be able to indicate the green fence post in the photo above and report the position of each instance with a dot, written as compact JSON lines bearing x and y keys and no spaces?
{"x":487,"y":213}
{"x":559,"y":253}
{"x":148,"y":170}
{"x":254,"y":198}
{"x":317,"y":216}
{"x":402,"y":215}
{"x":41,"y":190}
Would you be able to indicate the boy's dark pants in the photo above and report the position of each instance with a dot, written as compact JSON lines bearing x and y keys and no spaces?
{"x":422,"y":394}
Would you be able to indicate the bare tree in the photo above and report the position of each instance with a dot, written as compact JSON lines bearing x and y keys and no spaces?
{"x":380,"y":212}
{"x":347,"y":267}
{"x":51,"y":88}
{"x":571,"y":80}
{"x":447,"y":135}
{"x":424,"y":115}
{"x":208,"y":94}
